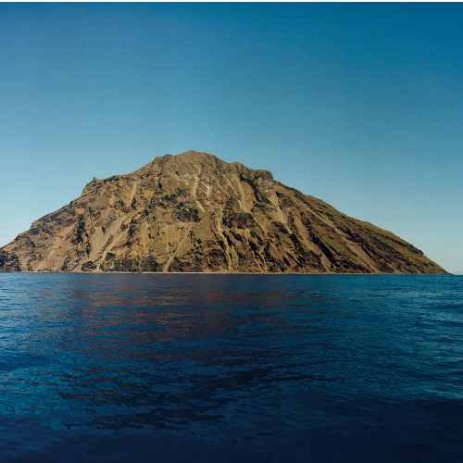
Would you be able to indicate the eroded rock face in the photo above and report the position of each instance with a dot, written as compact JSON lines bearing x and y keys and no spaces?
{"x":193,"y":212}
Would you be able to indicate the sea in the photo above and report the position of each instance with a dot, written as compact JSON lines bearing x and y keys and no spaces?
{"x":231,"y":368}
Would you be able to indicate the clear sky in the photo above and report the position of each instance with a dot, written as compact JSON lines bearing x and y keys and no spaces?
{"x":359,"y":104}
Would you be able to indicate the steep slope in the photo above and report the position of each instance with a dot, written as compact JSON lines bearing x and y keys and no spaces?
{"x":194,"y":212}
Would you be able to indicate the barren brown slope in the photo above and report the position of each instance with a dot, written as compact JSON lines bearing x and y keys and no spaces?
{"x":194,"y":212}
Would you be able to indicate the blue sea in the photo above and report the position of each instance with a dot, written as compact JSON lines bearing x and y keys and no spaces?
{"x":239,"y":368}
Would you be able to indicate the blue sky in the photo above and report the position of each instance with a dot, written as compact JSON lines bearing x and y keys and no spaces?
{"x":359,"y":104}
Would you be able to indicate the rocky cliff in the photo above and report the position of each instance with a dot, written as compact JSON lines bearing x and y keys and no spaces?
{"x":193,"y":212}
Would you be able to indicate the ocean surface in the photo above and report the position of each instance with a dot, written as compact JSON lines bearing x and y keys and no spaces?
{"x":213,"y":368}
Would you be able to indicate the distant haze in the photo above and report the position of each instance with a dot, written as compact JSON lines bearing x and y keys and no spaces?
{"x":358,"y":104}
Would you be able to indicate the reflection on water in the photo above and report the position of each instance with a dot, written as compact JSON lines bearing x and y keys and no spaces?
{"x":248,"y":368}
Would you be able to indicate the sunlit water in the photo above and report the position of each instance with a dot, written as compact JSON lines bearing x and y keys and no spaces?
{"x":177,"y":368}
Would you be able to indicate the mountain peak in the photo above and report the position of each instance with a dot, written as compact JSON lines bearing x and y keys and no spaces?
{"x":195,"y":212}
{"x":192,"y":154}
{"x":188,"y":156}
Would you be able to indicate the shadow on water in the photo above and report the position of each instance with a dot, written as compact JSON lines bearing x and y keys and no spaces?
{"x":249,"y":368}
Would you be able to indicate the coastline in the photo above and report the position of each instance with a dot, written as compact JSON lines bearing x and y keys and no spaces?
{"x":225,"y":273}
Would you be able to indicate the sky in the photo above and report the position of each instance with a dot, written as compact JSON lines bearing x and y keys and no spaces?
{"x":358,"y":104}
